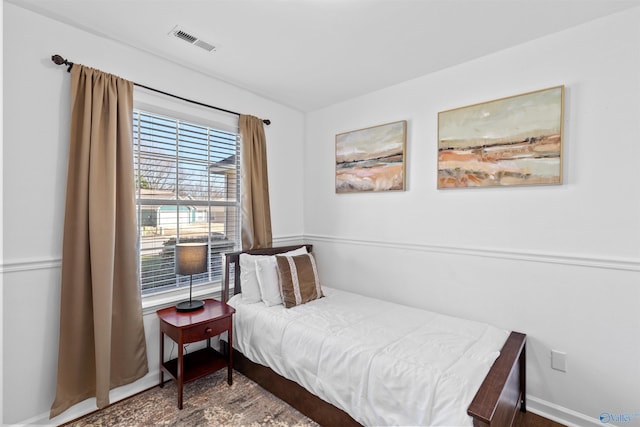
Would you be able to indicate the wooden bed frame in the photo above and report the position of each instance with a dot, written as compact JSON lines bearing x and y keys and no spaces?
{"x":495,"y":404}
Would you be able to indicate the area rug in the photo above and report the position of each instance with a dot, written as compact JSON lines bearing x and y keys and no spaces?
{"x":208,"y":401}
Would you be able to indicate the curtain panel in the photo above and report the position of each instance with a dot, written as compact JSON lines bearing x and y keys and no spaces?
{"x":256,"y":212}
{"x":102,"y":342}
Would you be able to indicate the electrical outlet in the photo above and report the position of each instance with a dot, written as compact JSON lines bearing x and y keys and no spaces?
{"x":559,"y":360}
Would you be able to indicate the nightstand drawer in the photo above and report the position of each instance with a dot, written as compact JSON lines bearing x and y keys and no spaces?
{"x":206,"y":330}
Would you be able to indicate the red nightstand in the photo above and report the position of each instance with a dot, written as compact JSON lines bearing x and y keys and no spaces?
{"x":187,"y":327}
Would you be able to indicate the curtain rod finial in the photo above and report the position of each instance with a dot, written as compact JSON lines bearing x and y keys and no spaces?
{"x":59,"y":60}
{"x":266,"y":122}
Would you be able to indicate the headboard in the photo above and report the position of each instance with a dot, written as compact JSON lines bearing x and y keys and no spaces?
{"x":233,"y":258}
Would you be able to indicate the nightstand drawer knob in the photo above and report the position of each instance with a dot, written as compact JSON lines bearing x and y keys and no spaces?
{"x":208,"y":330}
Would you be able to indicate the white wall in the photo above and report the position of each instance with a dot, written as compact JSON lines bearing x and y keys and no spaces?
{"x":559,"y":263}
{"x":36,"y":101}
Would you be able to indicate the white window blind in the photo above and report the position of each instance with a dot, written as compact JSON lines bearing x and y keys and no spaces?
{"x":187,"y":177}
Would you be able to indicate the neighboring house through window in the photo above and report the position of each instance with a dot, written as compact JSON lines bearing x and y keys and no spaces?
{"x":187,"y":190}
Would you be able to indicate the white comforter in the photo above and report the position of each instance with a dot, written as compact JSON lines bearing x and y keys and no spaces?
{"x":383,"y":363}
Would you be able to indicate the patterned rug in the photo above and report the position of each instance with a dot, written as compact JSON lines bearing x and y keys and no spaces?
{"x":208,"y":401}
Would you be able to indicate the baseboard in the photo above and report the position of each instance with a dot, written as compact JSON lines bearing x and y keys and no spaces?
{"x":560,"y":414}
{"x":88,"y":406}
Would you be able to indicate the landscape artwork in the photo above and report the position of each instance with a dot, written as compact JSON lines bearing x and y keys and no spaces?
{"x":509,"y":141}
{"x":371,"y":159}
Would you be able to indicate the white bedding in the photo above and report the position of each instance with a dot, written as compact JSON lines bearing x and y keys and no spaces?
{"x":383,"y":363}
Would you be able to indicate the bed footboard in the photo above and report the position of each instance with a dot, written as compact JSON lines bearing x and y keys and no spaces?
{"x":503,"y":391}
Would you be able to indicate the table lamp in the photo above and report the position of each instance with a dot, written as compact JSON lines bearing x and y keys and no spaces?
{"x":191,"y":258}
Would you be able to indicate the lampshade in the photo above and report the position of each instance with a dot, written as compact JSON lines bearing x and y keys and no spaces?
{"x":191,"y":258}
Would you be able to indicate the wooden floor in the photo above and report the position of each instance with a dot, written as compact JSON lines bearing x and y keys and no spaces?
{"x":530,"y":419}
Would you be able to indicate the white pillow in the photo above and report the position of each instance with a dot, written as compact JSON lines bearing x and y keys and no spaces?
{"x":267,"y":273}
{"x":249,"y":279}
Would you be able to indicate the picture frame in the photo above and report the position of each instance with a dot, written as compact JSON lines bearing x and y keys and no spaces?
{"x":509,"y":141}
{"x":372,"y":159}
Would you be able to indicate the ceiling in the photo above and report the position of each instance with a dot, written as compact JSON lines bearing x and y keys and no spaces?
{"x":309,"y":54}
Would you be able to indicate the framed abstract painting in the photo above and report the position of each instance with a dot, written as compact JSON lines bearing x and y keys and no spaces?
{"x":510,"y":141}
{"x":371,"y":159}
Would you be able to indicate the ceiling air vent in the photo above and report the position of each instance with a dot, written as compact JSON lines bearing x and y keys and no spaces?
{"x":191,"y":39}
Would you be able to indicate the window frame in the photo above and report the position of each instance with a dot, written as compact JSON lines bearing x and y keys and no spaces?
{"x":161,"y":105}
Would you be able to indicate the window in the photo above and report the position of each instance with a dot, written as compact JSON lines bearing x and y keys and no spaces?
{"x":187,"y":190}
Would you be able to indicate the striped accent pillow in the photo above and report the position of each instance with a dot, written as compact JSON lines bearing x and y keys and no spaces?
{"x":298,"y":277}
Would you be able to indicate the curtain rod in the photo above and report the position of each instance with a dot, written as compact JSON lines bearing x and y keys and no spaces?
{"x":59,"y":60}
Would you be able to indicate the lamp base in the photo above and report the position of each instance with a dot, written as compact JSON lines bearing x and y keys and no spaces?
{"x":189,"y":305}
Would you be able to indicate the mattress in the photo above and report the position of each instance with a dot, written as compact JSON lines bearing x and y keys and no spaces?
{"x":383,"y":363}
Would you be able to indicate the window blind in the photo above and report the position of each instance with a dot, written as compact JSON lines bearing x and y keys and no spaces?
{"x":187,"y":190}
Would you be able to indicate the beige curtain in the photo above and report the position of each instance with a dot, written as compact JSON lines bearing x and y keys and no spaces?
{"x":102,"y":342}
{"x":254,"y":187}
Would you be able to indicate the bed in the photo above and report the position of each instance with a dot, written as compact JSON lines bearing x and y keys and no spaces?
{"x":375,"y":362}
